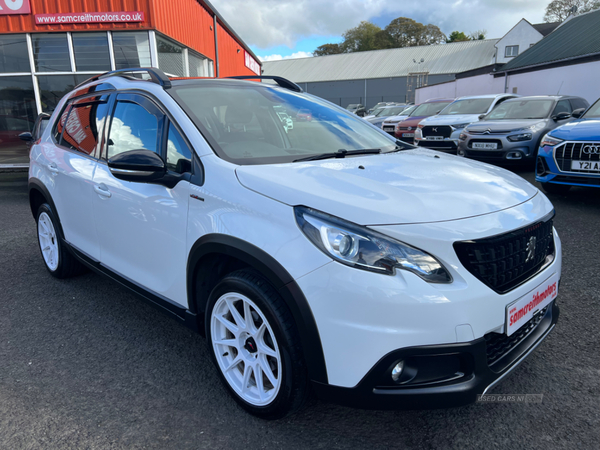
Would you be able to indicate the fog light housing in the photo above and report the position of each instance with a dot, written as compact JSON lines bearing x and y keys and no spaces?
{"x":397,"y":371}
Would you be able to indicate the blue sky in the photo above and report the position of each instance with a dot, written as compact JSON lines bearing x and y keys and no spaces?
{"x":276,"y":29}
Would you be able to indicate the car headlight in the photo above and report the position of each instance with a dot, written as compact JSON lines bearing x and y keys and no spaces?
{"x":462,"y":136}
{"x":520,"y":137}
{"x":461,"y":125}
{"x":362,"y":248}
{"x":550,"y":141}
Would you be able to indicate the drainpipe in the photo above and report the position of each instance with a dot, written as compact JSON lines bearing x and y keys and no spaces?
{"x":505,"y":82}
{"x":365,"y":100}
{"x":216,"y":46}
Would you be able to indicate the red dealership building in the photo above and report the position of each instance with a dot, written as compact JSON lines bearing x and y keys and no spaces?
{"x":49,"y":46}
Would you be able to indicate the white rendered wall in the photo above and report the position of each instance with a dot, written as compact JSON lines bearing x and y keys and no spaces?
{"x":522,"y":34}
{"x":577,"y":79}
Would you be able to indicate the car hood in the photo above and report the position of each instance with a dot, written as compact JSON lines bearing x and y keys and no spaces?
{"x":413,"y":121}
{"x":579,"y":130}
{"x":411,"y":186}
{"x":395,"y":119}
{"x":451,"y":119}
{"x":497,"y":126}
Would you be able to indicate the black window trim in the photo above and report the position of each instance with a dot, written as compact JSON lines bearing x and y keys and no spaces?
{"x":69,"y":104}
{"x":196,"y":176}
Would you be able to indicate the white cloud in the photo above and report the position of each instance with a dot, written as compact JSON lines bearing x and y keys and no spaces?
{"x":270,"y":23}
{"x":279,"y":57}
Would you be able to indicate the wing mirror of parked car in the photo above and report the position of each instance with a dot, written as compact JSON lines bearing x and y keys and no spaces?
{"x":481,"y":116}
{"x":578,"y":113}
{"x":145,"y":166}
{"x":27,"y":136}
{"x":140,"y":165}
{"x":561,"y":116}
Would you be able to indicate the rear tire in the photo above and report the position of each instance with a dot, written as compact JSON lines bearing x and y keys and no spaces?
{"x":552,"y":188}
{"x":59,"y":262}
{"x":255,"y":346}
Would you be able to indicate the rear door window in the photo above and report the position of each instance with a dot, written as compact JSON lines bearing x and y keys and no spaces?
{"x":85,"y":124}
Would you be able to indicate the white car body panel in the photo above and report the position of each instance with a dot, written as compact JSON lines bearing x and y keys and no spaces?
{"x":368,"y":314}
{"x":412,"y":186}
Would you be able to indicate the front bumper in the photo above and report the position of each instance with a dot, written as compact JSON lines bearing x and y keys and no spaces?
{"x":447,"y":144}
{"x":475,"y":375}
{"x":506,"y":150}
{"x":547,"y":171}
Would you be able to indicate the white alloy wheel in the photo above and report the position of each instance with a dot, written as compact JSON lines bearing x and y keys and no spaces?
{"x":48,"y":241}
{"x":246,"y":349}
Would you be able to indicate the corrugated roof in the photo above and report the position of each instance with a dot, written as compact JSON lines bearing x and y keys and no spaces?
{"x":546,"y":28}
{"x":438,"y":59}
{"x":575,"y":38}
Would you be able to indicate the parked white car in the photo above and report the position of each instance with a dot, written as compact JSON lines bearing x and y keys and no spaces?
{"x":441,"y":132}
{"x":329,"y":257}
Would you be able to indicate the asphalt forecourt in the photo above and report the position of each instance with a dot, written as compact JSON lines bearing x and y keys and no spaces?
{"x":86,"y":364}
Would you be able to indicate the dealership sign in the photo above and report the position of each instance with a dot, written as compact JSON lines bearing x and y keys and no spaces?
{"x":251,"y":63}
{"x":14,"y":7}
{"x":88,"y":17}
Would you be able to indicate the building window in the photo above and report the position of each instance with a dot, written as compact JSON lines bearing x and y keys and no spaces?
{"x":14,"y":54}
{"x":54,"y":87}
{"x":51,"y":52}
{"x":198,"y":66}
{"x":91,"y":52}
{"x":511,"y":50}
{"x":132,"y":49}
{"x":17,"y":114}
{"x":170,"y":57}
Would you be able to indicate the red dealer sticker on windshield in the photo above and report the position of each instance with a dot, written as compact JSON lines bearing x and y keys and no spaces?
{"x":89,"y":17}
{"x":14,"y":7}
{"x":519,"y":312}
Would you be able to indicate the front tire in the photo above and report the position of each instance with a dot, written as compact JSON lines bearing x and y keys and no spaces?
{"x":255,"y":345}
{"x":552,"y":188}
{"x":59,"y":262}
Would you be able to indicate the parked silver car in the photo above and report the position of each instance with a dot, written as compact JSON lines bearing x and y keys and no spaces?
{"x":513,"y":130}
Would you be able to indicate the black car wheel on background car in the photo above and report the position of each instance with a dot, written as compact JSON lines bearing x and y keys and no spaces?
{"x":255,"y":345}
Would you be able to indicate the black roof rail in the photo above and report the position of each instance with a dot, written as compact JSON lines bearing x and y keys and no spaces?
{"x":157,"y":76}
{"x":284,"y":83}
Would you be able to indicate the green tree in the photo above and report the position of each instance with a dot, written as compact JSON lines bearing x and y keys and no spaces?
{"x":559,"y":10}
{"x":406,"y":32}
{"x":361,"y":38}
{"x":478,"y":35}
{"x":457,"y":36}
{"x":328,"y":49}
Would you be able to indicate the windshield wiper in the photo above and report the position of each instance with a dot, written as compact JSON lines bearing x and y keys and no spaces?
{"x":341,"y":153}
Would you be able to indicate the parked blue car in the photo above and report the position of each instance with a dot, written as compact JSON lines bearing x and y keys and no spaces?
{"x":570,"y":154}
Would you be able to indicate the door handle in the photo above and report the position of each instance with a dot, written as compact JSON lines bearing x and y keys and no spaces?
{"x":102,"y":190}
{"x":52,"y":168}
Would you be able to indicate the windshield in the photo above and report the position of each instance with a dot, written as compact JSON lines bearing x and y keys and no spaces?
{"x":386,"y":112}
{"x":468,"y":106}
{"x":378,"y":111}
{"x":524,"y":109}
{"x":241,"y":124}
{"x":429,"y":109}
{"x":408,"y":110}
{"x":593,"y":112}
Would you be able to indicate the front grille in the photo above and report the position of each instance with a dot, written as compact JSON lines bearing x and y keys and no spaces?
{"x":438,"y":145}
{"x":574,"y":151}
{"x":389,"y":129}
{"x":498,"y":345}
{"x":440,"y":130}
{"x":498,"y":142}
{"x":505,"y":261}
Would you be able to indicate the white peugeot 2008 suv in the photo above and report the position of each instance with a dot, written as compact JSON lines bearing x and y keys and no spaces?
{"x":325,"y":257}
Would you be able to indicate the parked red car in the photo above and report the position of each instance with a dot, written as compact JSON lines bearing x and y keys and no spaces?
{"x":304,"y":115}
{"x":405,"y":130}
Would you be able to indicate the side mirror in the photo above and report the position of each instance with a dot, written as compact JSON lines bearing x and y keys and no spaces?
{"x":27,"y":136}
{"x":561,"y":116}
{"x":481,"y":116}
{"x":142,"y":166}
{"x":578,"y":113}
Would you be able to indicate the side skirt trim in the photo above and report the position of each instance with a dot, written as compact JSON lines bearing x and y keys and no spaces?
{"x":162,"y":303}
